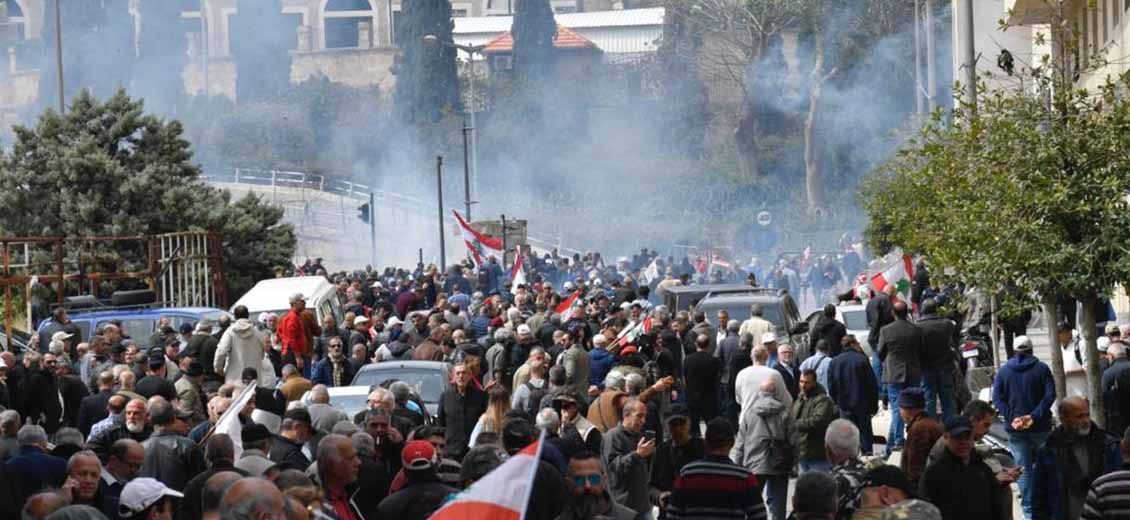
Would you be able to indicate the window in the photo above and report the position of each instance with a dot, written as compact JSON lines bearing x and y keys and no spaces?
{"x":396,"y":23}
{"x":458,"y":13}
{"x":565,"y":9}
{"x":341,"y":22}
{"x":16,"y":16}
{"x":503,"y":63}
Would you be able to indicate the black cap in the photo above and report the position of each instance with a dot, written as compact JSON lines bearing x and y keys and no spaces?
{"x":912,"y":398}
{"x":958,"y":425}
{"x":186,"y":328}
{"x":249,"y":374}
{"x":677,"y":411}
{"x":156,"y":360}
{"x":254,"y":432}
{"x":890,"y":476}
{"x":300,"y":415}
{"x":166,"y":330}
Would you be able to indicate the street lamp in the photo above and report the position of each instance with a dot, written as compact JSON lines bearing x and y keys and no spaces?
{"x":473,"y":168}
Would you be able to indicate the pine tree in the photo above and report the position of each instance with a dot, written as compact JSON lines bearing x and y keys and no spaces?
{"x":261,"y":38}
{"x":427,"y":83}
{"x":534,"y":30}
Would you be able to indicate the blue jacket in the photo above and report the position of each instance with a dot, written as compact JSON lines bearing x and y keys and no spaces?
{"x":37,"y":471}
{"x":323,"y":373}
{"x":1056,"y":471}
{"x":602,"y":362}
{"x":1025,"y":386}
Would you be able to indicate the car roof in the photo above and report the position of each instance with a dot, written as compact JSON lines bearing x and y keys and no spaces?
{"x":271,"y":294}
{"x":147,"y":311}
{"x":707,"y":288}
{"x":348,"y":390}
{"x":747,"y":297}
{"x":388,"y":365}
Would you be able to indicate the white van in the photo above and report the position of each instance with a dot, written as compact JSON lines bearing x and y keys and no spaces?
{"x":273,"y":295}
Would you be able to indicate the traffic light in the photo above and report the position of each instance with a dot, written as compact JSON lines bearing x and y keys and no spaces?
{"x":363,"y":213}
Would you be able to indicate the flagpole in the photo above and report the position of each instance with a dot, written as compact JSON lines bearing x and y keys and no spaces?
{"x":533,"y":475}
{"x":439,"y":196}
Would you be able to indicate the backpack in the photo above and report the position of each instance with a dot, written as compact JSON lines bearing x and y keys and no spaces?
{"x":533,"y":404}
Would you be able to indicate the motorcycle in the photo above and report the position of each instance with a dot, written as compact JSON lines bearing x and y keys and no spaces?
{"x":976,"y":351}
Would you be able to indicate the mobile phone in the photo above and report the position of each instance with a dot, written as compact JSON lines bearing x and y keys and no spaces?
{"x":649,"y":435}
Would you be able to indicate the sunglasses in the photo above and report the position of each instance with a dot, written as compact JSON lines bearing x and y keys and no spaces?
{"x":335,"y":345}
{"x":593,"y":480}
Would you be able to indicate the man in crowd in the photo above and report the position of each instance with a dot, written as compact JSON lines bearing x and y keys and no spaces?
{"x":93,"y":407}
{"x":588,"y":494}
{"x":882,"y":487}
{"x":294,"y":385}
{"x":1075,"y":454}
{"x":34,"y":469}
{"x":1116,"y":388}
{"x":155,"y":381}
{"x":852,"y":386}
{"x":577,"y":365}
{"x":626,"y":454}
{"x":829,"y":329}
{"x":960,"y":484}
{"x":135,"y":425}
{"x":938,"y":342}
{"x":292,"y":334}
{"x":170,"y":456}
{"x":338,"y":466}
{"x":900,"y":350}
{"x":815,"y":496}
{"x":763,"y":446}
{"x":1106,"y":500}
{"x":756,"y":325}
{"x":423,"y":493}
{"x":701,"y":375}
{"x":812,"y":413}
{"x":256,"y":440}
{"x":241,"y":346}
{"x":841,"y":441}
{"x":922,"y":431}
{"x":459,"y":409}
{"x":297,"y":430}
{"x":716,"y":483}
{"x":1023,"y":393}
{"x":749,"y":381}
{"x":675,"y":451}
{"x":123,"y":464}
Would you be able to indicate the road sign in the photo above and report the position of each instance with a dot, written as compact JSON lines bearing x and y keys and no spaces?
{"x":764,"y":218}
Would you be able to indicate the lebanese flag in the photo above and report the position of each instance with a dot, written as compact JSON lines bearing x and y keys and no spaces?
{"x":900,"y":274}
{"x":630,"y":334}
{"x":500,"y":495}
{"x":479,"y":244}
{"x":518,"y":272}
{"x":565,"y":308}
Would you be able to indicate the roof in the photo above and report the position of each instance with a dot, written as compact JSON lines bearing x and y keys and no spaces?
{"x":564,"y":39}
{"x":272,"y":294}
{"x":614,"y":32}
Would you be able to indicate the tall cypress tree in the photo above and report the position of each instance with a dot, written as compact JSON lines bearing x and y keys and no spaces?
{"x":533,"y":30}
{"x":427,"y":83}
{"x":261,"y":38}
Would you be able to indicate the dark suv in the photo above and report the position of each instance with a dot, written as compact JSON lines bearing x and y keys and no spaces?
{"x":779,"y":308}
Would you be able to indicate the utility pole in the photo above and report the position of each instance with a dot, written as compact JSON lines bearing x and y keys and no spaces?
{"x":931,"y":77}
{"x":969,"y":57}
{"x":504,"y":243}
{"x":372,"y":229}
{"x":466,"y":174}
{"x":919,"y":100}
{"x":59,"y":53}
{"x":439,"y":198}
{"x":204,"y":46}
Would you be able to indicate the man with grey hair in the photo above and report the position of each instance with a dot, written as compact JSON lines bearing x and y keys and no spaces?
{"x":9,"y":426}
{"x":496,"y":357}
{"x":548,"y":420}
{"x":338,"y":468}
{"x":213,"y":493}
{"x":252,"y":498}
{"x":41,"y":505}
{"x":36,"y":469}
{"x":747,"y":385}
{"x":170,"y":456}
{"x":841,"y":443}
{"x":1116,"y":388}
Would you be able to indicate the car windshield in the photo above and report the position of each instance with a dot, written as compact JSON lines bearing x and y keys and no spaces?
{"x":350,"y":404}
{"x":739,"y":310}
{"x":855,"y":320}
{"x":427,"y":383}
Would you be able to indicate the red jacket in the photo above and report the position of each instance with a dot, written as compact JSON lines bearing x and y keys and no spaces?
{"x":292,"y":334}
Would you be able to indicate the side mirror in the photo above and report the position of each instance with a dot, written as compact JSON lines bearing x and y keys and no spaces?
{"x":799,"y":328}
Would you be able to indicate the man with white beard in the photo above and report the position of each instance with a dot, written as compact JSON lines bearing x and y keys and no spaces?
{"x":134,"y":425}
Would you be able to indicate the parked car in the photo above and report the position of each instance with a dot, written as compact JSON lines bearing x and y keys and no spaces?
{"x":779,"y":307}
{"x":854,"y":318}
{"x":685,"y":297}
{"x":273,"y":295}
{"x":138,"y":312}
{"x":428,"y":379}
{"x":20,"y":340}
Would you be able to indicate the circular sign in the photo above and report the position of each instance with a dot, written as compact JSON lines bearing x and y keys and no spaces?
{"x":764,"y":218}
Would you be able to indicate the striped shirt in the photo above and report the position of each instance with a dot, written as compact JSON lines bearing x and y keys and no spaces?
{"x":715,"y":488}
{"x":1109,"y":497}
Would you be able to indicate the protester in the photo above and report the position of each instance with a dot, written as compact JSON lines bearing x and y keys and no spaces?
{"x":1107,"y":495}
{"x":35,"y":468}
{"x":811,"y":414}
{"x":960,"y":484}
{"x":853,"y":388}
{"x":338,"y":466}
{"x":627,"y":456}
{"x":241,"y":346}
{"x":922,"y":431}
{"x":749,"y":382}
{"x":297,"y":430}
{"x":829,"y":329}
{"x":763,"y":446}
{"x":1075,"y":454}
{"x":423,"y":493}
{"x":588,"y":493}
{"x":674,"y":451}
{"x":900,"y":350}
{"x":938,"y":351}
{"x":841,"y":441}
{"x":460,"y":407}
{"x":170,"y":456}
{"x":815,"y":496}
{"x":701,"y":374}
{"x":882,"y":487}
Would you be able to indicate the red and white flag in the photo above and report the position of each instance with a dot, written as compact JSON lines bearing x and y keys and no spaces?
{"x":500,"y":495}
{"x":481,"y":245}
{"x":518,"y":272}
{"x":631,"y":333}
{"x":900,"y":274}
{"x":565,"y":308}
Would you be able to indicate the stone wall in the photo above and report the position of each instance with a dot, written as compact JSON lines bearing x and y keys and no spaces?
{"x":353,"y":67}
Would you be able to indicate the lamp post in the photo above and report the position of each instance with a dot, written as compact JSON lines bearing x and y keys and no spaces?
{"x":470,"y":170}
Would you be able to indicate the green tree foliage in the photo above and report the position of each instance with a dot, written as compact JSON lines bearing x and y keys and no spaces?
{"x":534,"y":31}
{"x":1021,"y":193}
{"x":261,"y":38}
{"x":427,"y":84}
{"x":111,"y":169}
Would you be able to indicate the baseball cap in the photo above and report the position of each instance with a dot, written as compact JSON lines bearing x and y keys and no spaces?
{"x":523,"y":329}
{"x":1022,"y":344}
{"x":888,"y":475}
{"x":185,"y":328}
{"x":118,"y":348}
{"x":912,"y":398}
{"x":418,"y":455}
{"x":677,"y":411}
{"x":628,"y":350}
{"x":142,"y":492}
{"x":394,"y":321}
{"x":958,"y":425}
{"x":60,"y":336}
{"x":360,"y":319}
{"x":768,"y":337}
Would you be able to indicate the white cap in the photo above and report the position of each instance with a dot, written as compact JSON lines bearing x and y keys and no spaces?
{"x":569,"y":286}
{"x":376,"y":285}
{"x":140,"y":493}
{"x":1103,"y":343}
{"x":768,"y":337}
{"x":392,"y":322}
{"x":360,"y":319}
{"x":523,"y":329}
{"x":599,"y":339}
{"x":60,"y":336}
{"x":1022,"y":344}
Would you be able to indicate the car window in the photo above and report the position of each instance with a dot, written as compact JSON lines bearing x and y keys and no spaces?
{"x":427,"y":383}
{"x":138,"y":328}
{"x":176,"y":321}
{"x":335,"y":306}
{"x":855,"y":320}
{"x":350,"y":404}
{"x":83,"y":326}
{"x":324,"y":309}
{"x":739,"y":310}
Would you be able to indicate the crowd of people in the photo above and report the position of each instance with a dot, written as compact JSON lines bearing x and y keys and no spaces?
{"x":646,"y":411}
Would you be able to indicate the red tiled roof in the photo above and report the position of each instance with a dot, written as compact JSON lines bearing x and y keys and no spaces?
{"x":565,"y":38}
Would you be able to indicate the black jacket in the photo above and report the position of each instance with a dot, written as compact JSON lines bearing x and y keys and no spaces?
{"x":937,"y":342}
{"x":417,"y":500}
{"x":73,"y":391}
{"x":40,"y":396}
{"x":458,"y":413}
{"x":967,"y":492}
{"x":900,"y":350}
{"x":879,"y":314}
{"x":1116,"y":395}
{"x":288,"y":454}
{"x":101,"y":444}
{"x":93,"y":409}
{"x":792,"y":383}
{"x":171,"y":458}
{"x":830,"y":330}
{"x":852,"y":385}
